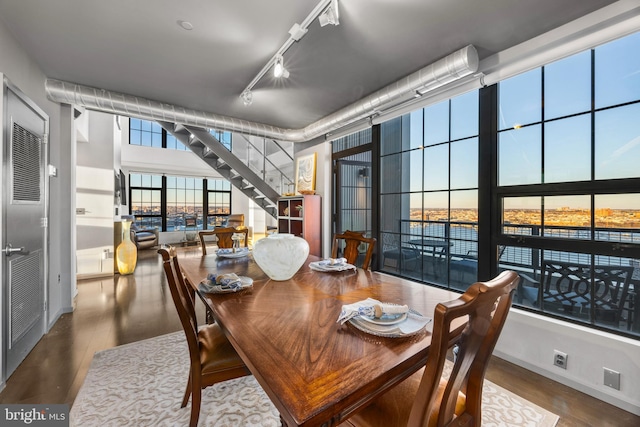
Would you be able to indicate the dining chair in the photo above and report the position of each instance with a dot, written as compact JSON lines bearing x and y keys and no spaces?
{"x":212,"y":358}
{"x":351,"y":251}
{"x":224,"y":235}
{"x":428,"y":399}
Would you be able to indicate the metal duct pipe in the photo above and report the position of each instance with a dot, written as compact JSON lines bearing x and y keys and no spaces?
{"x":451,"y":68}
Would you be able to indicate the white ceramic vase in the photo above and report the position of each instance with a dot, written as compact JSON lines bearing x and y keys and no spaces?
{"x":280,"y":255}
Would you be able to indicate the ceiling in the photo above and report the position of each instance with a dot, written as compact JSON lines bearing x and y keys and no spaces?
{"x":138,"y":48}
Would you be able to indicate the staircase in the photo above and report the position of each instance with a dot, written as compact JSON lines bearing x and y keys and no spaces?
{"x":250,"y":167}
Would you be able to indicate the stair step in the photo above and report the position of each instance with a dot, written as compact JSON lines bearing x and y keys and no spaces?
{"x":178,"y":128}
{"x":206,"y":148}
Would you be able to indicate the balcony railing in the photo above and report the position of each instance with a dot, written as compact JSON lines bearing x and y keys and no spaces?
{"x":459,"y":268}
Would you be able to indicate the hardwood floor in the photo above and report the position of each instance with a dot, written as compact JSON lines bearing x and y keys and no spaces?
{"x":122,"y":309}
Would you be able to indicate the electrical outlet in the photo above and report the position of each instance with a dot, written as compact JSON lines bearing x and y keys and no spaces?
{"x":612,"y":378}
{"x":560,"y":359}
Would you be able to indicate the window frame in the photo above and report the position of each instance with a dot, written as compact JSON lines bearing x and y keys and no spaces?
{"x":202,"y":217}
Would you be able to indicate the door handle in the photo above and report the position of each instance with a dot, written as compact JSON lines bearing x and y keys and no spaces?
{"x":10,"y":250}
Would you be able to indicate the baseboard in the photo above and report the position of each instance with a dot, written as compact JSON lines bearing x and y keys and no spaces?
{"x":94,"y":275}
{"x":622,"y":404}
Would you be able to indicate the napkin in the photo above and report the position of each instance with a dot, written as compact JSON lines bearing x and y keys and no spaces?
{"x":370,"y":307}
{"x":221,"y":283}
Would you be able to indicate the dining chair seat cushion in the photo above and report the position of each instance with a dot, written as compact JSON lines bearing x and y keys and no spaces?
{"x":393,"y":407}
{"x":217,"y":355}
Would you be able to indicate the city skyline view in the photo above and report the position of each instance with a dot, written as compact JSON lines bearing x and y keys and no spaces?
{"x":563,"y":216}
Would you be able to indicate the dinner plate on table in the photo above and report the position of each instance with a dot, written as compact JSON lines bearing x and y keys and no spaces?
{"x":412,"y":324}
{"x":228,"y":253}
{"x":326,"y":266}
{"x":386,"y":319}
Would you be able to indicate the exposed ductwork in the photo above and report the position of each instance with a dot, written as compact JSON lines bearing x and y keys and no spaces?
{"x":448,"y":69}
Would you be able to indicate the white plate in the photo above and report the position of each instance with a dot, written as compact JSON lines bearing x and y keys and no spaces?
{"x":386,"y":319}
{"x":323,"y":266}
{"x":413,"y":324}
{"x":239,"y":254}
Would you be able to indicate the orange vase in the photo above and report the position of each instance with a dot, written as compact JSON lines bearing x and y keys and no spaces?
{"x":126,"y":252}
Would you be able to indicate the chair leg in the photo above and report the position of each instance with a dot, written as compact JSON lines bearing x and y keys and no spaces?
{"x":195,"y":407}
{"x":187,"y":392}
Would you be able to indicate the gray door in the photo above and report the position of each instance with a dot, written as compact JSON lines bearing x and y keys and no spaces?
{"x":23,"y":246}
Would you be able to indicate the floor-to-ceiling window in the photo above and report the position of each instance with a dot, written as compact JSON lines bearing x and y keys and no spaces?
{"x":175,"y":203}
{"x":145,"y":199}
{"x":184,"y":202}
{"x":218,"y":202}
{"x":555,"y":154}
{"x":568,"y":149}
{"x":429,"y":192}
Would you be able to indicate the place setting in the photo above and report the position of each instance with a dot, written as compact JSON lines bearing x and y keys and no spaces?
{"x":224,"y":283}
{"x":332,"y":265}
{"x":383,"y":319}
{"x":233,"y":252}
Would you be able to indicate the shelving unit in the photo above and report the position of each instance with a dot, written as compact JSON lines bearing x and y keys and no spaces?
{"x":300,"y":216}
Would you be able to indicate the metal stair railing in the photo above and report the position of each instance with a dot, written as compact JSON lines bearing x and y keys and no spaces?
{"x":228,"y":164}
{"x":269,"y":159}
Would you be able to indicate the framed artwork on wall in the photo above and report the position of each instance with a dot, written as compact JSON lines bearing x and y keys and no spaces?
{"x":306,"y":174}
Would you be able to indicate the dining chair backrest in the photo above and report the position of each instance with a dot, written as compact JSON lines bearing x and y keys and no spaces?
{"x":182,"y":301}
{"x":352,"y":243}
{"x":470,"y":325}
{"x":486,"y":304}
{"x":224,"y":235}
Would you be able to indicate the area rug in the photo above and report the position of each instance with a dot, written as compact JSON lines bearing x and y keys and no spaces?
{"x":142,"y":384}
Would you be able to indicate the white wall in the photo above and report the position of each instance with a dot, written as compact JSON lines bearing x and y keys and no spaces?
{"x":95,"y":176}
{"x":529,"y":340}
{"x":323,"y":186}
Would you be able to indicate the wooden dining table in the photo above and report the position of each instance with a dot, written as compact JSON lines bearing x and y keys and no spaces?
{"x":316,"y":371}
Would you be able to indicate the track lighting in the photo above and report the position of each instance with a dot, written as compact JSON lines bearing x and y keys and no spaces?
{"x":247,"y":97}
{"x":326,"y":12}
{"x":278,"y":68}
{"x":331,"y":15}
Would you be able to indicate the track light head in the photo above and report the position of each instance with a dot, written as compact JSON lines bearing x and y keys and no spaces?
{"x":331,"y":15}
{"x":278,"y":68}
{"x":247,"y":97}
